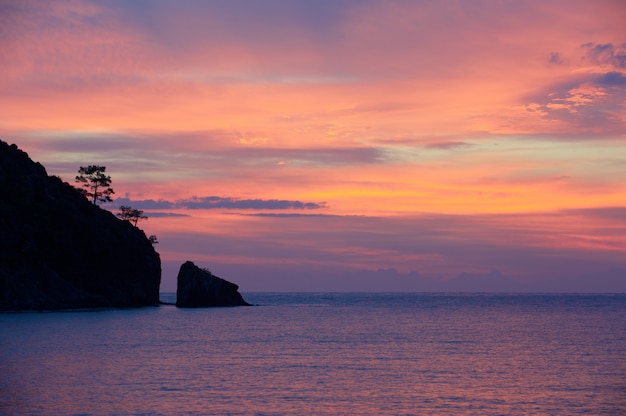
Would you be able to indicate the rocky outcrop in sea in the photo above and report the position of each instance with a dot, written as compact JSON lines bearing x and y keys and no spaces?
{"x":198,"y":288}
{"x":59,"y":251}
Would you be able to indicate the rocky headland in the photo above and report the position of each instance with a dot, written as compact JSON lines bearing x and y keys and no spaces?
{"x":60,"y":251}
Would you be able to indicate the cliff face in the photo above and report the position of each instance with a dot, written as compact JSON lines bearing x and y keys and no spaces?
{"x":198,"y":288}
{"x":59,"y":251}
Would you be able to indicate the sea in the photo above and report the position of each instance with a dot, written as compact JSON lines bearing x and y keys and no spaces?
{"x":323,"y":354}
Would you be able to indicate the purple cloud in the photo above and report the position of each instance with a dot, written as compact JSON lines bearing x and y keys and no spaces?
{"x":612,"y":79}
{"x":556,"y":58}
{"x":606,"y":54}
{"x":216,"y":202}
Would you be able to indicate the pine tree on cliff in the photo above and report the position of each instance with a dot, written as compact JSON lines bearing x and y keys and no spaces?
{"x":131,"y":215}
{"x":97,"y":185}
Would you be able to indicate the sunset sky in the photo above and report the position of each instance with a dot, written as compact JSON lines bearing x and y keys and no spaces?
{"x":340,"y":145}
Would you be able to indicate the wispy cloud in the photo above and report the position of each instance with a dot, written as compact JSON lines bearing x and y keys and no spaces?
{"x":216,"y":202}
{"x":159,"y":214}
{"x":446,"y":145}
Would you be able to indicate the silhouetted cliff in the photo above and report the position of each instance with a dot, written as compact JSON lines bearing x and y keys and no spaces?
{"x":198,"y":288}
{"x":59,"y":251}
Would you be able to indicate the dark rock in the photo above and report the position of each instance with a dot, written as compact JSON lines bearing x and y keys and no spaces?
{"x":59,"y":251}
{"x":198,"y":288}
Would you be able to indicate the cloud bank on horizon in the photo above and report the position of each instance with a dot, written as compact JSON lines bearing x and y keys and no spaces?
{"x":341,"y":145}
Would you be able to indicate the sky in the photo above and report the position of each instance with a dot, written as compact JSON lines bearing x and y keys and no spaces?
{"x":340,"y":145}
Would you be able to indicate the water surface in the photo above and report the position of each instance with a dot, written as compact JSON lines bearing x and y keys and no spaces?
{"x":390,"y":354}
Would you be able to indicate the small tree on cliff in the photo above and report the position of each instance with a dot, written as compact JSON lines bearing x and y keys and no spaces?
{"x":131,"y":215}
{"x":134,"y":216}
{"x":97,"y":185}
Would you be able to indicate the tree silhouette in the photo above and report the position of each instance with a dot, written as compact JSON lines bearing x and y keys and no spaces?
{"x":96,"y":183}
{"x":131,"y":215}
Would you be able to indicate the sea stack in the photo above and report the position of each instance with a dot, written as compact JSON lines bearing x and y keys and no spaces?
{"x":60,"y":251}
{"x":199,"y":288}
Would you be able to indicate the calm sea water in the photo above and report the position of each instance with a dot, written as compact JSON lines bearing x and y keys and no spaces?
{"x":317,"y":354}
